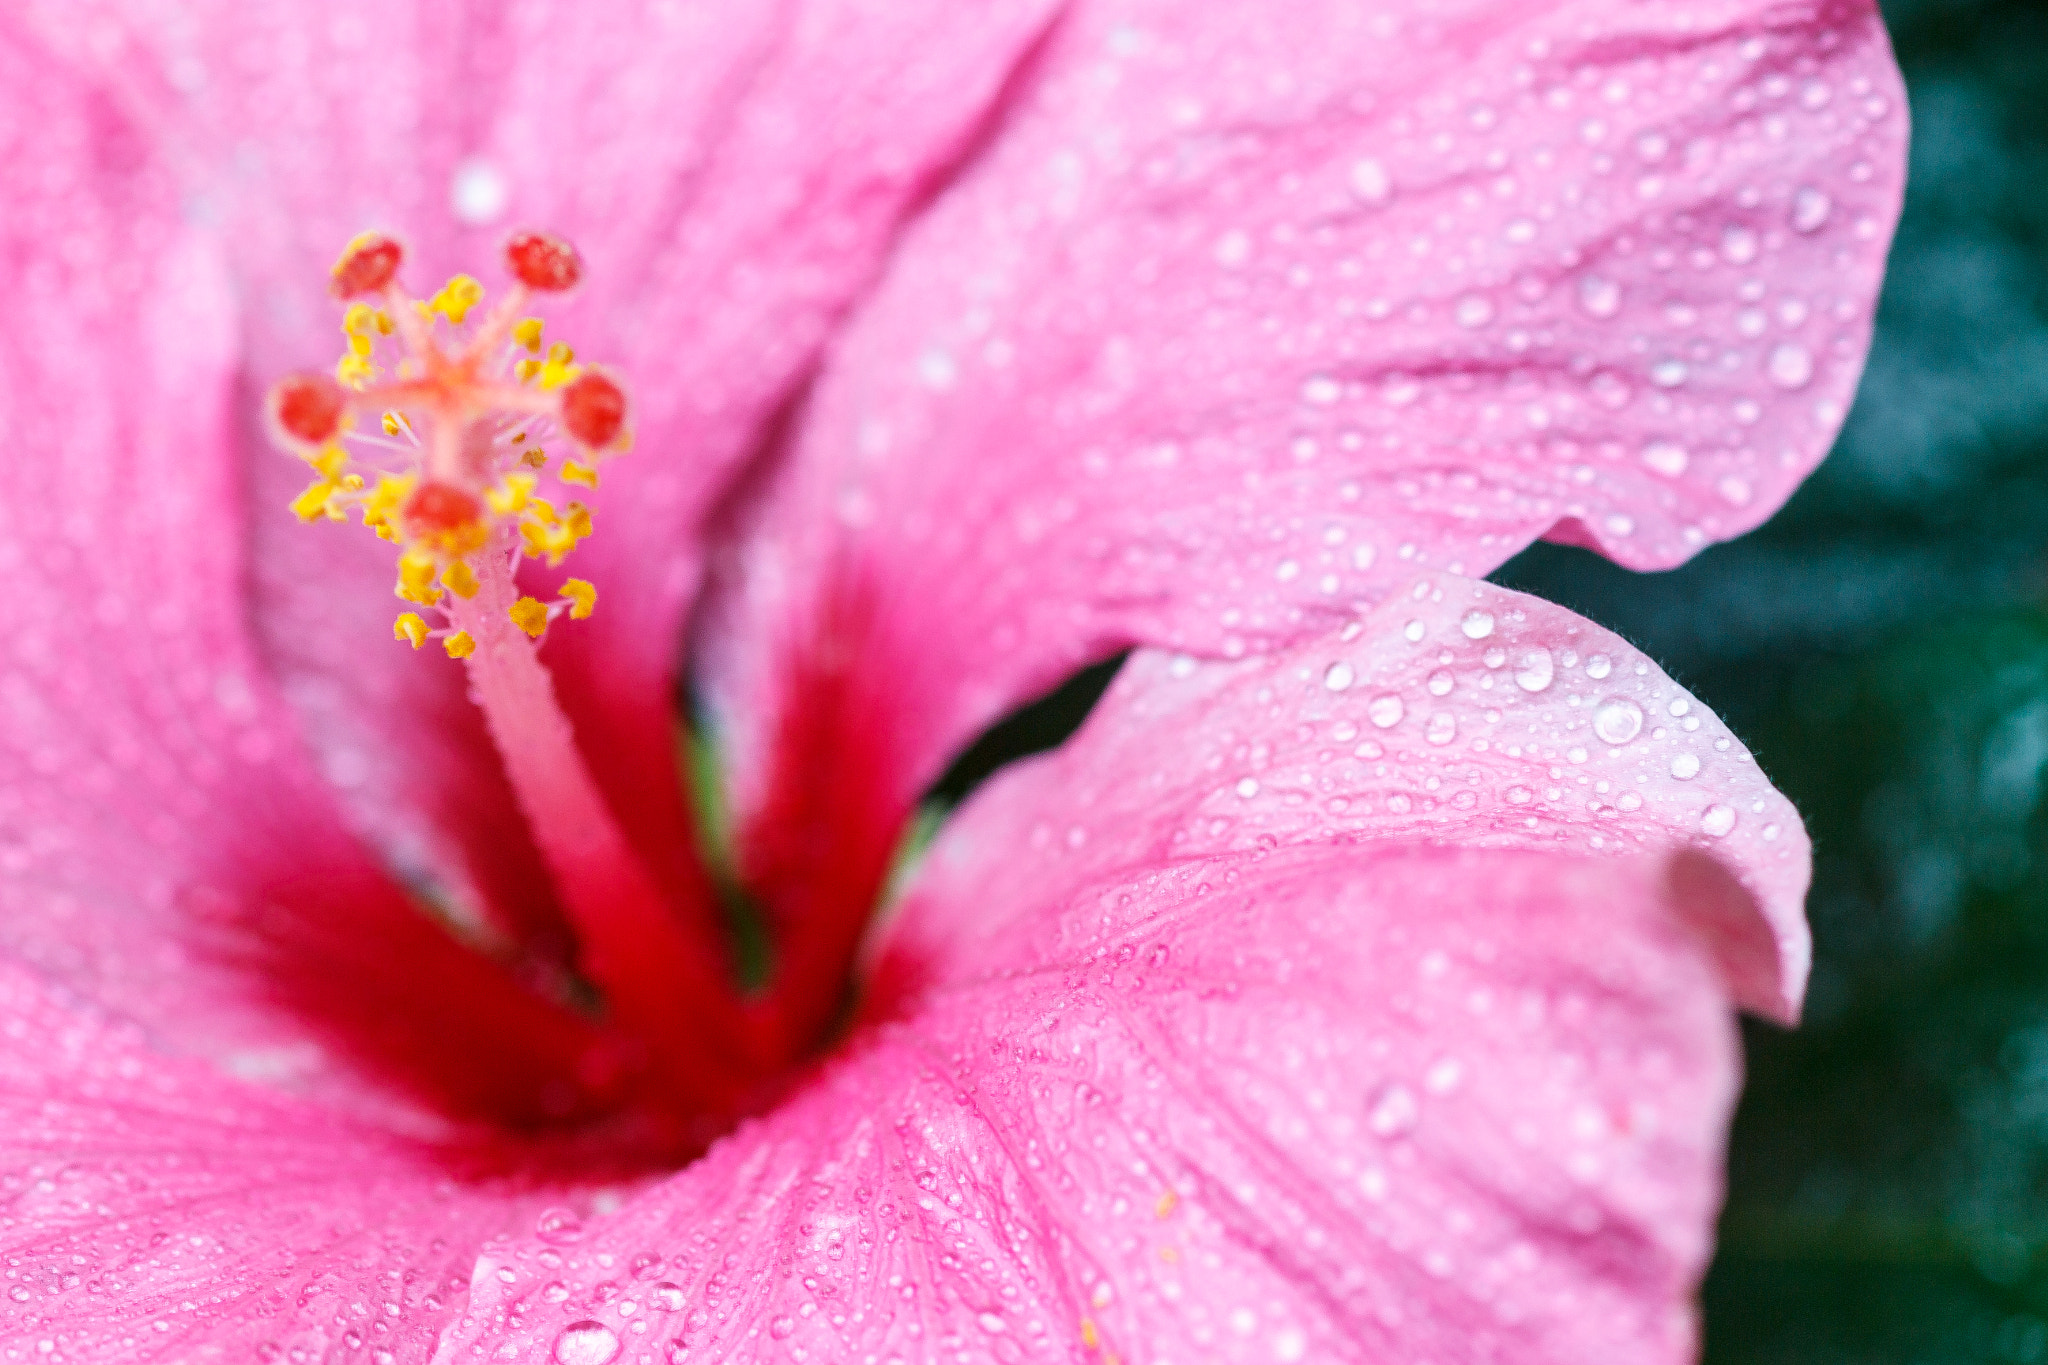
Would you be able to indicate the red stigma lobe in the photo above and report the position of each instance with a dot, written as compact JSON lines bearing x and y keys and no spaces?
{"x":368,"y":264}
{"x":543,"y":262}
{"x":439,"y":508}
{"x":594,"y":410}
{"x":309,"y":407}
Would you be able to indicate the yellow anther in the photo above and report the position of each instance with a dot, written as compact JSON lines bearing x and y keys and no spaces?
{"x":527,"y":333}
{"x":328,"y":461}
{"x":530,"y":614}
{"x":313,"y":504}
{"x":416,"y":578}
{"x":1088,"y":1337}
{"x":460,"y":579}
{"x":582,"y":598}
{"x":411,"y":629}
{"x":454,"y":299}
{"x":460,"y":645}
{"x":525,"y":369}
{"x":358,"y":319}
{"x":510,"y":497}
{"x":559,"y":368}
{"x":354,"y":371}
{"x":384,"y":502}
{"x":573,"y":472}
{"x":1168,"y":1202}
{"x":576,"y":520}
{"x":384,"y":322}
{"x":360,"y":345}
{"x":394,"y":423}
{"x":535,"y":458}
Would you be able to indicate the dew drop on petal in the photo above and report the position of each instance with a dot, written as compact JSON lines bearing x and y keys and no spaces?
{"x":1810,"y":209}
{"x":1248,"y":787}
{"x":1791,"y":366}
{"x":1666,"y":458}
{"x":782,"y":1328}
{"x":1536,"y":670}
{"x":1442,"y":729}
{"x":586,"y":1343}
{"x":668,"y":1297}
{"x":1477,"y":625}
{"x":558,"y":1226}
{"x":1685,"y":766}
{"x":1370,"y":182}
{"x":478,"y":193}
{"x":1441,"y":682}
{"x":1716,"y":821}
{"x":1618,"y":720}
{"x":1338,"y":676}
{"x":1394,"y":1112}
{"x":1385,"y":711}
{"x":1599,"y":666}
{"x":1600,"y":298}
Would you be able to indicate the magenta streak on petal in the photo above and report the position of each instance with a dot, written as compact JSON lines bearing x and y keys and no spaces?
{"x":1200,"y":359}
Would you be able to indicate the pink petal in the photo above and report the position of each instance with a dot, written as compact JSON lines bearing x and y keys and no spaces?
{"x":1329,"y":1104}
{"x":1166,"y":1067}
{"x":734,"y":175}
{"x":166,"y":847}
{"x":1248,"y":313}
{"x":1456,"y":713}
{"x":150,"y":1211}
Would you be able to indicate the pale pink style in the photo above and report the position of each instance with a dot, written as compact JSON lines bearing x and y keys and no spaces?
{"x":1355,"y":985}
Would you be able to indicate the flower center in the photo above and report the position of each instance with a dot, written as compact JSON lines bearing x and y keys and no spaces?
{"x":439,"y":436}
{"x":460,"y":442}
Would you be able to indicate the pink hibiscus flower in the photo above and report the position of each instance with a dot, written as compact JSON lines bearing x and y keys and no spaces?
{"x":1356,"y":983}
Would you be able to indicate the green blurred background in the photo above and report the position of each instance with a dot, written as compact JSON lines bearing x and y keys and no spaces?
{"x":1883,"y":645}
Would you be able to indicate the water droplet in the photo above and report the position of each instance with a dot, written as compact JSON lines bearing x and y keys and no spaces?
{"x":1668,"y":374}
{"x":554,"y":1291}
{"x":1338,"y":676}
{"x":1810,"y":209}
{"x":1736,"y":490}
{"x":1738,"y":245}
{"x":478,"y":193}
{"x":991,"y":1323}
{"x":1370,"y":182}
{"x":1474,"y":310}
{"x":1321,"y":390}
{"x":1440,"y":683}
{"x":1248,"y":787}
{"x":1477,"y":625}
{"x":1233,"y":248}
{"x":1519,"y":796}
{"x":1685,"y":767}
{"x":1394,"y":1112}
{"x":1618,"y":720}
{"x":586,"y":1343}
{"x":1414,"y":631}
{"x":1599,"y":666}
{"x":558,"y":1226}
{"x":1537,"y":669}
{"x":1385,"y":711}
{"x":1666,"y":458}
{"x":668,"y":1297}
{"x":1716,"y":821}
{"x":1791,"y":366}
{"x":1443,"y":728}
{"x":782,"y":1328}
{"x":1600,"y":298}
